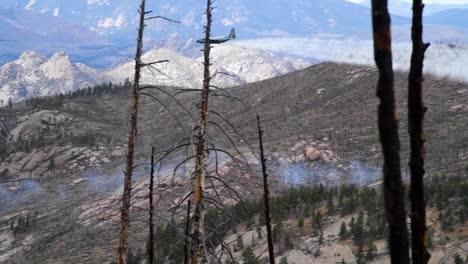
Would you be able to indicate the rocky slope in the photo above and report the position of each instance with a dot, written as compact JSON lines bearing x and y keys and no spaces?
{"x":232,"y":66}
{"x":34,"y":75}
{"x":320,"y":128}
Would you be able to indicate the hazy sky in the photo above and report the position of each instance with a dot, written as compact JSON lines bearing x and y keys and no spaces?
{"x":427,"y":1}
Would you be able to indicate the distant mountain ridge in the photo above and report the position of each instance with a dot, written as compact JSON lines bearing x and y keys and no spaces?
{"x":34,"y":75}
{"x":108,"y":27}
{"x":101,"y":33}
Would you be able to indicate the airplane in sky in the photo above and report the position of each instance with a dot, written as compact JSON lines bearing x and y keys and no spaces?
{"x":220,"y":40}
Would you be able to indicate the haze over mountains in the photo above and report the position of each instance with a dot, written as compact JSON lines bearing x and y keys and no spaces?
{"x":101,"y":32}
{"x":34,"y":75}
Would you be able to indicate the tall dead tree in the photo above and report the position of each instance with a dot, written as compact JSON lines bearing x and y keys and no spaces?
{"x":416,"y":111}
{"x":266,"y":194}
{"x":388,"y":132}
{"x":187,"y":235}
{"x":198,"y":245}
{"x":151,"y":211}
{"x":125,"y":208}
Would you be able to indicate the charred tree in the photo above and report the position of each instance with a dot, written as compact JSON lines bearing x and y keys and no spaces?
{"x":416,"y":111}
{"x":388,"y":133}
{"x":125,"y":208}
{"x":187,"y":235}
{"x":151,"y":212}
{"x":198,"y":247}
{"x":266,"y":194}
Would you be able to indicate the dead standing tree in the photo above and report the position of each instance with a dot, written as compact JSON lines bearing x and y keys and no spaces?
{"x":198,"y":247}
{"x":388,"y":132}
{"x":151,"y":243}
{"x":266,"y":194}
{"x":416,"y":111}
{"x":127,"y":192}
{"x":125,"y":208}
{"x":187,"y":235}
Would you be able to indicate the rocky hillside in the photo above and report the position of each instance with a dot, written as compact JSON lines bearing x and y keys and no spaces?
{"x":61,"y":161}
{"x":247,"y":65}
{"x":34,"y":75}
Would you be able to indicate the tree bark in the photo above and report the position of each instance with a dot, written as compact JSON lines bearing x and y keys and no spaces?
{"x":151,"y":212}
{"x":266,"y":194}
{"x":416,"y":111}
{"x":187,"y":235}
{"x":388,"y":132}
{"x":198,"y":245}
{"x":125,"y":208}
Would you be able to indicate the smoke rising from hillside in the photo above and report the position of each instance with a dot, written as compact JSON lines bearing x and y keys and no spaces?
{"x":356,"y":172}
{"x":441,"y":60}
{"x":23,"y":192}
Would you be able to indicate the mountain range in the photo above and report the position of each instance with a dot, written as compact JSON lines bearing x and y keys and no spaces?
{"x":101,"y":32}
{"x":35,"y":75}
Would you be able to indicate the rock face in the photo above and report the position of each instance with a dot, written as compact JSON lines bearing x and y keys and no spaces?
{"x":312,"y":153}
{"x":458,"y":108}
{"x":309,"y":162}
{"x":233,"y":64}
{"x":31,"y":125}
{"x":34,"y":75}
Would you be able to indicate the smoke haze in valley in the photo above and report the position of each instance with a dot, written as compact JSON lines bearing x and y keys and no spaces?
{"x":441,"y":60}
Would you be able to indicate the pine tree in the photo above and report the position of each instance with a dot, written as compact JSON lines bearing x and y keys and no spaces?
{"x":288,"y":244}
{"x":371,"y":252}
{"x":343,"y":232}
{"x":351,"y":226}
{"x":360,"y":255}
{"x":359,"y":229}
{"x":330,"y":206}
{"x":248,"y":257}
{"x":277,"y":233}
{"x":457,"y":259}
{"x":300,"y":223}
{"x":284,"y":260}
{"x":240,"y":242}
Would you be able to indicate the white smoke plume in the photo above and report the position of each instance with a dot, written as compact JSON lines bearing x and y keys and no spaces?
{"x":445,"y":61}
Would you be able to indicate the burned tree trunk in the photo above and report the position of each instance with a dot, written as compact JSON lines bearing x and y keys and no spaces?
{"x":125,"y":208}
{"x":151,"y":212}
{"x":201,"y":155}
{"x":388,"y":131}
{"x":266,"y":194}
{"x":416,"y":111}
{"x":187,"y":235}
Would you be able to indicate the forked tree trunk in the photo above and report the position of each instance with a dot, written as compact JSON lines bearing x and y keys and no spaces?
{"x":388,"y":131}
{"x":187,"y":235}
{"x":200,"y":167}
{"x":151,"y":212}
{"x":416,"y":111}
{"x":266,"y":194}
{"x":125,"y":208}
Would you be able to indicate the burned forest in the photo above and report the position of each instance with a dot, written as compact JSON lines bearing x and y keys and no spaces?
{"x":314,"y":132}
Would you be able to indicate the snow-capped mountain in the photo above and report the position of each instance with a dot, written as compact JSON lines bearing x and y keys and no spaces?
{"x":35,"y":75}
{"x":235,"y":66}
{"x":102,"y":32}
